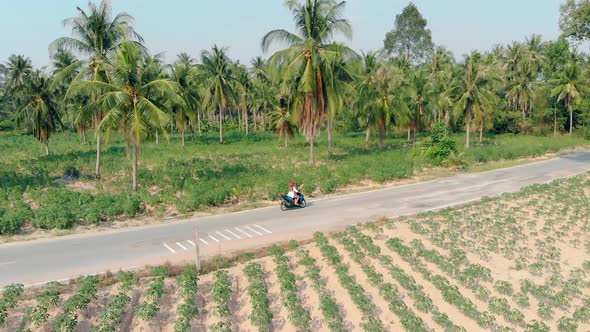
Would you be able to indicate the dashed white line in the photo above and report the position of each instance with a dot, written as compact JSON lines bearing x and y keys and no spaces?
{"x":234,"y":234}
{"x":205,"y":242}
{"x":191,"y":242}
{"x":262,"y":228}
{"x":180,"y":245}
{"x":241,"y":231}
{"x":253,"y":231}
{"x":214,"y":239}
{"x":167,"y":247}
{"x":227,"y":238}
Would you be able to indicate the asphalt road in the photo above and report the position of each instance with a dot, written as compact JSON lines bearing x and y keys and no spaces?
{"x":41,"y":261}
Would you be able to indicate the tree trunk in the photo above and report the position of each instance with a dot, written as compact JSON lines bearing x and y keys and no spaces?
{"x":329,"y":136}
{"x":381,"y":133}
{"x":157,"y":138}
{"x":134,"y":166}
{"x":571,"y":119}
{"x":192,"y":132}
{"x":286,"y":140}
{"x":311,"y":152}
{"x":367,"y":136}
{"x":47,"y":147}
{"x":447,"y":117}
{"x":199,"y":123}
{"x":182,"y":136}
{"x":220,"y":126}
{"x":555,"y":121}
{"x":246,"y":120}
{"x":97,"y":169}
{"x":481,"y":133}
{"x":467,"y":129}
{"x":409,"y":133}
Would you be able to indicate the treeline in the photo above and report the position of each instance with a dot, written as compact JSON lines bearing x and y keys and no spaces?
{"x":102,"y":79}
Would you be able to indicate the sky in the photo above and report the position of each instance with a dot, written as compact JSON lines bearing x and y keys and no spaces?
{"x":173,"y":26}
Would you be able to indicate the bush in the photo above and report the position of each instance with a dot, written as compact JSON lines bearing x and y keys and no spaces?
{"x":62,"y":208}
{"x":442,"y":146}
{"x":14,"y":218}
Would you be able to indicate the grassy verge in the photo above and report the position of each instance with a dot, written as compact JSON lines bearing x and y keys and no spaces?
{"x":244,"y":172}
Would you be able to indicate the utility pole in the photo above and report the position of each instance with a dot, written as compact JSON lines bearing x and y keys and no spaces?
{"x":197,"y":249}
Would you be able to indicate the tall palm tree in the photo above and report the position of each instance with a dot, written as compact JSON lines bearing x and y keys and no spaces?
{"x":134,"y":98}
{"x":96,"y":34}
{"x":64,"y":71}
{"x":473,"y":89}
{"x":310,"y":58}
{"x":569,"y":87}
{"x":380,"y":98}
{"x":38,"y":107}
{"x":216,"y":71}
{"x":18,"y":68}
{"x":185,"y":113}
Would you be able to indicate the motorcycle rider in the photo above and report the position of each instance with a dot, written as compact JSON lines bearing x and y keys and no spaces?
{"x":294,"y":193}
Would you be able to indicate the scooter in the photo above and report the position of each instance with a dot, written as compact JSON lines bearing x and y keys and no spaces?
{"x":288,"y":202}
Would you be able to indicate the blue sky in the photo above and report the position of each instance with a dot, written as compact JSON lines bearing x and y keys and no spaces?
{"x":174,"y":26}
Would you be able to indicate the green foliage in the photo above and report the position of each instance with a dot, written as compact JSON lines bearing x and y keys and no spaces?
{"x":13,"y":218}
{"x":61,"y":208}
{"x":409,"y":38}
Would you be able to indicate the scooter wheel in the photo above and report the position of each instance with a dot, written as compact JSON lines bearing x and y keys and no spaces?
{"x":302,"y":204}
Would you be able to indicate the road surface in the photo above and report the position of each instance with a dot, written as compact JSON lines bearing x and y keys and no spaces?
{"x":41,"y":261}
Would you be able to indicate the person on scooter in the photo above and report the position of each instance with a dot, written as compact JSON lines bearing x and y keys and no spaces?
{"x":294,"y":193}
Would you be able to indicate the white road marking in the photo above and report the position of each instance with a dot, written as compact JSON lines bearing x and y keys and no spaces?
{"x":205,"y":242}
{"x":262,"y":228}
{"x":167,"y":247}
{"x":191,"y":242}
{"x":227,"y":238}
{"x":214,"y":239}
{"x":241,"y":231}
{"x":253,"y":231}
{"x":180,"y":245}
{"x":232,"y":233}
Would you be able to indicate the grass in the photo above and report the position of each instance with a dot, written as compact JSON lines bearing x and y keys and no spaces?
{"x":204,"y":173}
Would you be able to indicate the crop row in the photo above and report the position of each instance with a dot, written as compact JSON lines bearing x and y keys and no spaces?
{"x":113,"y":312}
{"x":328,"y":305}
{"x":299,"y":316}
{"x":150,"y":307}
{"x":187,"y":310}
{"x":261,"y":316}
{"x":422,"y":302}
{"x":357,"y":293}
{"x":86,"y":293}
{"x":221,"y":297}
{"x":388,"y":291}
{"x":10,"y":298}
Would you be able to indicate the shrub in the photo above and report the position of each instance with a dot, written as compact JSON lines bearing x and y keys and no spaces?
{"x":14,"y":218}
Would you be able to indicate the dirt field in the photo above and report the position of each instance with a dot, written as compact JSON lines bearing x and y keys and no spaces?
{"x":516,"y":263}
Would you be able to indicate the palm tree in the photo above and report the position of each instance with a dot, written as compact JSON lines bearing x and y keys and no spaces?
{"x":379,"y":96}
{"x":64,"y":71}
{"x":97,"y":35}
{"x":569,"y":86}
{"x":216,"y":71}
{"x":473,"y":89}
{"x":134,"y":98}
{"x":309,"y":60}
{"x":282,"y":121}
{"x":38,"y":107}
{"x":18,"y":68}
{"x":184,"y":113}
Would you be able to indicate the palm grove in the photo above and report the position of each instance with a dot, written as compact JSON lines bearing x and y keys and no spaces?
{"x":104,"y":80}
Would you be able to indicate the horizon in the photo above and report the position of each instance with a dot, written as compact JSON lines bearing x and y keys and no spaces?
{"x":182,"y":33}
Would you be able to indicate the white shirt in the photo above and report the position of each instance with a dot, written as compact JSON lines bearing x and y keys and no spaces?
{"x":293,"y":192}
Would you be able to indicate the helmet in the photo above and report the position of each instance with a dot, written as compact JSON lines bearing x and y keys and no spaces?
{"x":292,"y":183}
